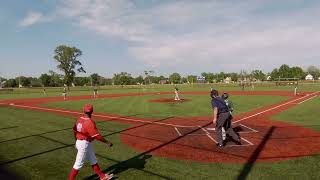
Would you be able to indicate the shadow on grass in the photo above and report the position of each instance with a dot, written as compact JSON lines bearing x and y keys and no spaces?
{"x":11,"y":127}
{"x":254,"y":156}
{"x":139,"y":160}
{"x":34,"y":135}
{"x":6,"y":174}
{"x":138,"y":126}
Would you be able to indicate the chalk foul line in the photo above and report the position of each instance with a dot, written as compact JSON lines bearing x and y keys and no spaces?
{"x":99,"y":115}
{"x":270,"y":109}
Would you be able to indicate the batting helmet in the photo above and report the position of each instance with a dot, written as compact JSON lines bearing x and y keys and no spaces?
{"x":225,"y":95}
{"x":87,"y":108}
{"x":214,"y":93}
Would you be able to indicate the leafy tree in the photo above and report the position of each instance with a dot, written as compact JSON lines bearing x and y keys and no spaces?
{"x":314,"y":71}
{"x":95,"y":79}
{"x":184,"y":80}
{"x":81,"y":81}
{"x":148,"y":74}
{"x":234,"y":76}
{"x":243,"y":75}
{"x":108,"y":81}
{"x":192,"y":78}
{"x":175,"y":78}
{"x":24,"y":81}
{"x":221,"y":76}
{"x":67,"y":57}
{"x":123,"y":78}
{"x":285,"y":71}
{"x":56,"y":79}
{"x":2,"y":82}
{"x":45,"y":79}
{"x":258,"y":74}
{"x":298,"y":72}
{"x":35,"y":82}
{"x":274,"y":74}
{"x":139,"y":80}
{"x":11,"y":83}
{"x":209,"y":77}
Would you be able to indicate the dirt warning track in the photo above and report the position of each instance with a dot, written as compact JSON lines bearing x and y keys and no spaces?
{"x":194,"y":138}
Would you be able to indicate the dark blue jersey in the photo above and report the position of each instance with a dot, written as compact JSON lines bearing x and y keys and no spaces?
{"x":220,"y":104}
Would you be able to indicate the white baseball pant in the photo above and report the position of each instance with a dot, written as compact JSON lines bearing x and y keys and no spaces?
{"x":85,"y":151}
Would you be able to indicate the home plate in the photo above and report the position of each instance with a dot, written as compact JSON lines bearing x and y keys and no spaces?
{"x":11,"y":104}
{"x":211,"y":129}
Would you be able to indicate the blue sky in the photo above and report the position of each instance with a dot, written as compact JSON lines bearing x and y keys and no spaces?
{"x":188,"y":37}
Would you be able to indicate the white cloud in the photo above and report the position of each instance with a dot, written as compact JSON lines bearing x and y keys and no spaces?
{"x":195,"y":34}
{"x":31,"y":18}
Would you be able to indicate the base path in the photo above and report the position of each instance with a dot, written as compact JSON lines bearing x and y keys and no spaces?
{"x":187,"y":138}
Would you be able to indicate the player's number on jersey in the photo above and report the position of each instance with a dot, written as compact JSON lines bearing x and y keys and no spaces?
{"x":79,"y":127}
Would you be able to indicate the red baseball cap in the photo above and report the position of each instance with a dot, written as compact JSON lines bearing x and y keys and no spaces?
{"x":87,"y":108}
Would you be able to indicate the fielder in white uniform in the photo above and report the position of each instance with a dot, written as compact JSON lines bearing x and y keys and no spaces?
{"x":176,"y":92}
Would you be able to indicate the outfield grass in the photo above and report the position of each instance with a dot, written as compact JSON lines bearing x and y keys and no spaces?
{"x":38,"y":145}
{"x":75,"y":91}
{"x":306,"y":114}
{"x":139,"y":106}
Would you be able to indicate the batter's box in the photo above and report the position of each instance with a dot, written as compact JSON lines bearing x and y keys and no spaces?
{"x":239,"y":129}
{"x":189,"y":131}
{"x":200,"y":131}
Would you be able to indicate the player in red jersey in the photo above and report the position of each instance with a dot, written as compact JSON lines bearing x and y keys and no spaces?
{"x":85,"y":131}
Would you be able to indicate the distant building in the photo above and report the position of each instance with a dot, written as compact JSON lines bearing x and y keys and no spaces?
{"x":201,"y":79}
{"x":227,"y":80}
{"x":309,"y":77}
{"x":164,"y":81}
{"x":268,"y":78}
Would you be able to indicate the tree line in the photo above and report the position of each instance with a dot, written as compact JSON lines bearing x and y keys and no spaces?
{"x":69,"y":65}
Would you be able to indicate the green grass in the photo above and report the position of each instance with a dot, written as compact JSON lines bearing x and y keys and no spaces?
{"x":140,"y":106}
{"x":306,"y":114}
{"x":74,"y":91}
{"x":38,"y":145}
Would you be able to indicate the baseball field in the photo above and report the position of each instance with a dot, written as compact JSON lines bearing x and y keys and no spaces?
{"x":157,"y":138}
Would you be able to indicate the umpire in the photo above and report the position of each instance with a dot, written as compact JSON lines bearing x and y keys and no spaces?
{"x":221,"y":116}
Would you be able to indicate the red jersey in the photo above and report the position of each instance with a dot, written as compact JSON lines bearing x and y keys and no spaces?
{"x":85,"y":129}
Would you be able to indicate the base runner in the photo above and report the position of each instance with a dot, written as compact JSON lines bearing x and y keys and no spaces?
{"x":85,"y":131}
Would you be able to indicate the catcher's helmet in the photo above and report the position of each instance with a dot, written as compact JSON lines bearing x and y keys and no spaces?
{"x":225,"y":95}
{"x":214,"y":93}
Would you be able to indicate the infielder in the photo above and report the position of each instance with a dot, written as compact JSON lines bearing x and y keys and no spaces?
{"x":95,"y":92}
{"x":295,"y":90}
{"x":221,"y":115}
{"x":85,"y":131}
{"x":176,"y":92}
{"x":64,"y":93}
{"x":44,"y":91}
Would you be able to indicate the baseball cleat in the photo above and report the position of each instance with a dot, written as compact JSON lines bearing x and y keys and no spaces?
{"x":220,"y":145}
{"x":107,"y":177}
